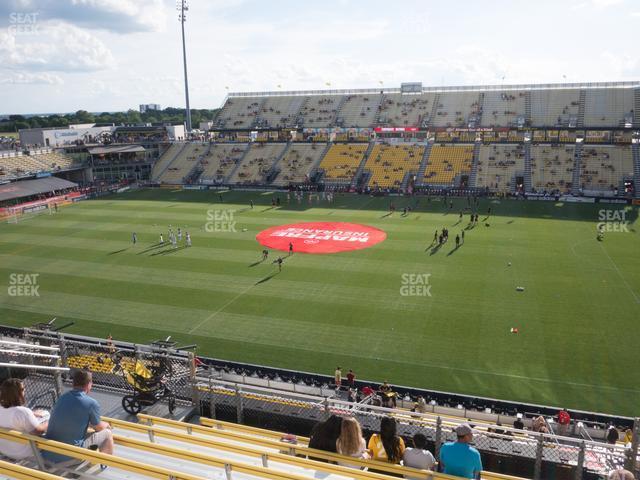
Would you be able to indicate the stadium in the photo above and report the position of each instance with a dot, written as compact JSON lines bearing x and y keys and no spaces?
{"x":438,"y":257}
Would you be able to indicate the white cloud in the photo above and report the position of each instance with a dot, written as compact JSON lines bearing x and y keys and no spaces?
{"x":57,"y":46}
{"x":123,"y":16}
{"x":30,"y":78}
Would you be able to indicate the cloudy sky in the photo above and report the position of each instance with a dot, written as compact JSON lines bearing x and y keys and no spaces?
{"x":106,"y":55}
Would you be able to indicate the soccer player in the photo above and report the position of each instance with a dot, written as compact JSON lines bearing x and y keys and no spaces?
{"x":134,"y":238}
{"x":462,"y":236}
{"x":265,"y":254}
{"x":174,"y":241}
{"x":457,"y":241}
{"x":251,"y":203}
{"x":290,"y":248}
{"x":188,"y":239}
{"x":179,"y":234}
{"x":279,"y":262}
{"x":435,"y":236}
{"x":161,"y":240}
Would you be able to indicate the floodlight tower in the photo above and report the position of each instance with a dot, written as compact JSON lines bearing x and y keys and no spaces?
{"x":182,"y":7}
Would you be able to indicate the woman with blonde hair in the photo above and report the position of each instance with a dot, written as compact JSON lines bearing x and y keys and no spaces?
{"x":350,"y":441}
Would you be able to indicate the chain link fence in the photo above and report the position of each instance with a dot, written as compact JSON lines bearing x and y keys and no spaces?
{"x":504,"y":449}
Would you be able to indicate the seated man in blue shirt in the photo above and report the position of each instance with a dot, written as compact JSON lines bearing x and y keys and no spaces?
{"x":459,"y":458}
{"x":71,"y":417}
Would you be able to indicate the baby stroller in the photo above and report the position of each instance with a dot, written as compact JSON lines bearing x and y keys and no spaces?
{"x":149,"y":384}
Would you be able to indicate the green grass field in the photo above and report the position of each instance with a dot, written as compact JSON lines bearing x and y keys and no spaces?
{"x":578,"y":316}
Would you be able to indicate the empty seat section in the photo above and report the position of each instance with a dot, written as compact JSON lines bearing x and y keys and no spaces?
{"x":297,"y":163}
{"x":446,"y":162}
{"x":455,"y":109}
{"x":554,"y":108}
{"x":552,"y":167}
{"x":183,"y":163}
{"x":239,"y":112}
{"x":399,"y":110}
{"x":165,"y":160}
{"x":503,"y":109}
{"x":389,"y":164}
{"x":320,"y":110}
{"x":280,"y":112}
{"x":220,"y":160}
{"x":498,"y":166}
{"x":341,"y":162}
{"x":256,"y":163}
{"x":358,"y":111}
{"x":603,"y":168}
{"x":608,"y":107}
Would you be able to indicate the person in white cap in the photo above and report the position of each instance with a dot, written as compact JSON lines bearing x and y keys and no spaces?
{"x":459,"y":458}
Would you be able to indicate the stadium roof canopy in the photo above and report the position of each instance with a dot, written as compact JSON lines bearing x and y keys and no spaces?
{"x":26,"y":188}
{"x":116,"y":149}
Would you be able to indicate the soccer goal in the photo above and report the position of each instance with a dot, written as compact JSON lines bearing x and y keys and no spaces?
{"x":20,"y":214}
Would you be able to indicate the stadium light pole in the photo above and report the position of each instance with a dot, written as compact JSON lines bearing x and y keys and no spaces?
{"x":182,"y":8}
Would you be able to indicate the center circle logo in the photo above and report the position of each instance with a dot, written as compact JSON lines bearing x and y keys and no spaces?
{"x":321,"y":237}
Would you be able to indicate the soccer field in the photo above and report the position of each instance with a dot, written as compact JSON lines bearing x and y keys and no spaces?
{"x":577,"y":317}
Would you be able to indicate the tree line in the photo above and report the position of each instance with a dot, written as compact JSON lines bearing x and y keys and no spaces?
{"x":170,"y":114}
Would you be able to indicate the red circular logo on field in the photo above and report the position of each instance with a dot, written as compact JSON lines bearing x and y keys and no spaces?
{"x":321,"y":237}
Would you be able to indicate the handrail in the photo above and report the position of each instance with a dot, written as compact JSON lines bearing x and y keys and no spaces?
{"x":290,"y":459}
{"x":200,"y":458}
{"x":24,"y":473}
{"x":392,"y":469}
{"x":222,"y":425}
{"x":95,"y":457}
{"x":29,"y":345}
{"x":453,"y":88}
{"x":294,"y":449}
{"x":427,"y":419}
{"x":30,"y":354}
{"x":34,"y":367}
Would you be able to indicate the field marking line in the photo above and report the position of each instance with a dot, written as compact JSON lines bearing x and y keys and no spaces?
{"x":220,"y":309}
{"x":67,"y":314}
{"x":624,"y":280}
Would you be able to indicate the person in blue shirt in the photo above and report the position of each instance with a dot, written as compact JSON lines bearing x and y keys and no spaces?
{"x":459,"y":458}
{"x":71,"y":417}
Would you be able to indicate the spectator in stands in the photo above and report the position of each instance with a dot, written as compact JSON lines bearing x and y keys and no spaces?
{"x":325,"y":434}
{"x":351,"y":378}
{"x":621,"y":475}
{"x":350,"y":441}
{"x":71,"y":417}
{"x":459,"y":458}
{"x":420,"y":406}
{"x":15,"y":416}
{"x":628,"y":436}
{"x":387,"y":446}
{"x":418,"y":456}
{"x":539,"y":425}
{"x":388,"y":395}
{"x":518,"y":424}
{"x":612,"y":435}
{"x":338,"y":377}
{"x":564,"y":419}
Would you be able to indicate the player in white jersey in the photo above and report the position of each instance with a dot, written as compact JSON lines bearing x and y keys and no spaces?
{"x":188,"y":237}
